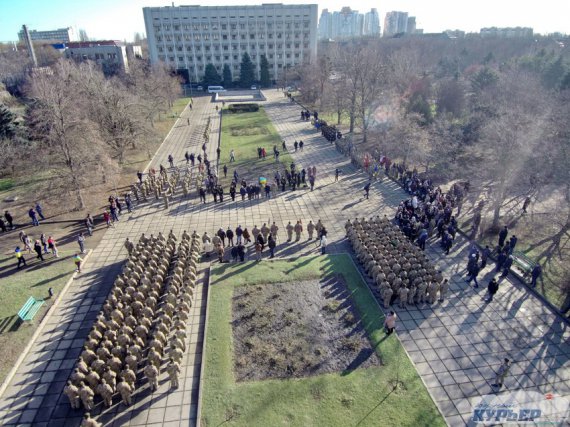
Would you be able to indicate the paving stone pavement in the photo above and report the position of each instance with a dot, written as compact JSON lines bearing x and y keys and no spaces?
{"x":456,"y":345}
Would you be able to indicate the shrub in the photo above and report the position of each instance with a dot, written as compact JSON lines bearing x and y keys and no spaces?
{"x":243,"y":108}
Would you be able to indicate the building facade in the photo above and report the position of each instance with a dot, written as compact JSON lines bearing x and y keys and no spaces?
{"x":190,"y":37}
{"x":411,"y":25}
{"x":395,"y":23}
{"x":63,"y":35}
{"x":516,"y":32}
{"x":110,"y":54}
{"x":372,"y":23}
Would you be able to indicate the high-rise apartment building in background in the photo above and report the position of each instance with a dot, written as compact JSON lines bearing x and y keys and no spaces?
{"x":395,"y":23}
{"x":62,"y":35}
{"x":190,"y":37}
{"x":372,"y":23}
{"x":348,"y":23}
{"x":411,"y":25}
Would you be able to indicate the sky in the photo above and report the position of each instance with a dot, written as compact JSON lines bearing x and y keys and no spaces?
{"x":121,"y":19}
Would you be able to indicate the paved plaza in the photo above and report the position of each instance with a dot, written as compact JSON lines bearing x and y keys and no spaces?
{"x":456,"y":345}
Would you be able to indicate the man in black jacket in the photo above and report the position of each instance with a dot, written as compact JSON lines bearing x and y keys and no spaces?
{"x":492,"y":289}
{"x":503,"y":236}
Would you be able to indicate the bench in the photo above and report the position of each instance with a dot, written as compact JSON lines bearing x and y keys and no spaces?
{"x":30,"y":308}
{"x":523,"y":263}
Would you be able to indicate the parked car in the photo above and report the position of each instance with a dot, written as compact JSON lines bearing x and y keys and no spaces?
{"x":199,"y":88}
{"x":253,"y":87}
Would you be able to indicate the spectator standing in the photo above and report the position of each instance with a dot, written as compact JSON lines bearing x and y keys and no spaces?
{"x":20,"y":257}
{"x":32,"y":214}
{"x":52,"y":245}
{"x":107,"y":218}
{"x":271,"y":243}
{"x":503,"y":236}
{"x":77,"y":260}
{"x":507,"y":266}
{"x":39,"y":210}
{"x":367,"y":190}
{"x":81,"y":242}
{"x":230,"y":236}
{"x":323,"y":244}
{"x":502,"y":373}
{"x":43,"y":239}
{"x":492,"y":289}
{"x":535,"y":274}
{"x":9,"y":219}
{"x":474,"y":270}
{"x":38,"y":249}
{"x":485,"y":253}
{"x":390,"y":323}
{"x":89,"y":224}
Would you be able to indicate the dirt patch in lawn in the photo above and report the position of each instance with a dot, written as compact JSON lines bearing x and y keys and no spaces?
{"x":289,"y":330}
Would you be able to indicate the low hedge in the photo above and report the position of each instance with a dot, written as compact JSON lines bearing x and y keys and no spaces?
{"x":243,"y":108}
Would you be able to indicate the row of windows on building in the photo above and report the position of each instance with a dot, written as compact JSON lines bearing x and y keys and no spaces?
{"x":218,"y":58}
{"x":219,"y":68}
{"x":215,"y":27}
{"x":96,"y":56}
{"x":252,"y":36}
{"x":226,"y":48}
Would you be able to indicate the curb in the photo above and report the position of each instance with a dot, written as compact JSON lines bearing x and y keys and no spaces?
{"x":207,"y":271}
{"x":397,"y":336}
{"x":40,"y":328}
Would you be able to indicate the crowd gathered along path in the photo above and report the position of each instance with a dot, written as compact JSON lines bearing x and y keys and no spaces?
{"x":456,"y":345}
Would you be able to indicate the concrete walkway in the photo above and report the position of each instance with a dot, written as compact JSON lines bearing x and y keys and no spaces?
{"x":456,"y":345}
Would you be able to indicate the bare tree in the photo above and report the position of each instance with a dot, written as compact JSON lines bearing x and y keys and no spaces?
{"x":83,"y":35}
{"x":360,"y":66}
{"x":510,"y":137}
{"x":58,"y":120}
{"x":155,"y":85}
{"x":335,"y":98}
{"x":118,"y":113}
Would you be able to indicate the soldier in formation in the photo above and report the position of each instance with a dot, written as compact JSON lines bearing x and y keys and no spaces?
{"x":147,"y":308}
{"x":398,"y":268}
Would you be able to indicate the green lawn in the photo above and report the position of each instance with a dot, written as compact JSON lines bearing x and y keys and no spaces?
{"x":244,"y":132}
{"x":165,"y":121}
{"x":17,"y":286}
{"x":363,"y":397}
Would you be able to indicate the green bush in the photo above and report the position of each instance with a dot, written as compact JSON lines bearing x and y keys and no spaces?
{"x":243,"y":108}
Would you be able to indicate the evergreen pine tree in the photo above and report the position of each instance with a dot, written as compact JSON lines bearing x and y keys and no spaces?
{"x":246,"y":72}
{"x":264,"y":79}
{"x":211,"y":76}
{"x":7,"y":122}
{"x":227,"y":72}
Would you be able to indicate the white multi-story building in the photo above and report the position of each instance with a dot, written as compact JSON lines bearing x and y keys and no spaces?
{"x":190,"y":37}
{"x":110,"y":54}
{"x":63,"y":35}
